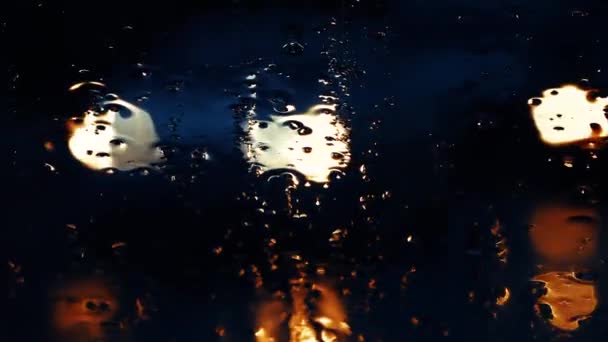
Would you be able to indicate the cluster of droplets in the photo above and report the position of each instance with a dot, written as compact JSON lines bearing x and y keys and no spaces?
{"x":113,"y":134}
{"x":285,"y":145}
{"x":307,"y":147}
{"x":312,"y":309}
{"x":313,"y":144}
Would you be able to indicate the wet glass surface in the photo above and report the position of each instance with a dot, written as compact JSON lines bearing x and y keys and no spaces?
{"x":365,"y":170}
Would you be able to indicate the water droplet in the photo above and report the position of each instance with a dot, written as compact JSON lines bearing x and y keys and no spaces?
{"x":293,"y":48}
{"x":49,"y":167}
{"x":337,"y":156}
{"x":293,"y":124}
{"x":175,"y":86}
{"x":305,"y":131}
{"x":280,"y":105}
{"x":118,"y":143}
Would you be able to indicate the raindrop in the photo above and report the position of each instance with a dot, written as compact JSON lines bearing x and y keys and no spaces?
{"x":142,"y":98}
{"x":293,"y":124}
{"x":579,"y":13}
{"x":337,"y":156}
{"x":111,"y":97}
{"x":122,"y":111}
{"x":305,"y":131}
{"x":293,"y":48}
{"x":50,"y":167}
{"x":596,"y":128}
{"x":281,"y":105}
{"x":175,"y":86}
{"x":198,"y":154}
{"x":586,"y":219}
{"x":118,"y":142}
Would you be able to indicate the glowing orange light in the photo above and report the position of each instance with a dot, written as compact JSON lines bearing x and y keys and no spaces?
{"x":332,"y":315}
{"x":570,"y":299}
{"x":82,"y":309}
{"x":49,"y":146}
{"x":502,"y":300}
{"x":564,"y":233}
{"x":502,"y":251}
{"x":269,"y":320}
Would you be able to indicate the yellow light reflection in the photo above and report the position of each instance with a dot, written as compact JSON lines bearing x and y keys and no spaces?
{"x":569,"y":115}
{"x":328,"y":336}
{"x":504,"y":299}
{"x":333,"y":313}
{"x":262,"y":336}
{"x":300,"y":329}
{"x":110,"y":139}
{"x":570,"y":299}
{"x":330,"y":319}
{"x":270,"y":315}
{"x":314,"y":143}
{"x":565,"y":237}
{"x":82,"y":84}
